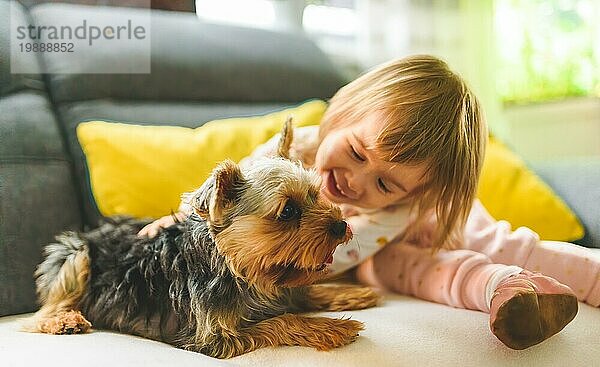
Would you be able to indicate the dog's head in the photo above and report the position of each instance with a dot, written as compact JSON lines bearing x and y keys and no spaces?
{"x":269,"y":220}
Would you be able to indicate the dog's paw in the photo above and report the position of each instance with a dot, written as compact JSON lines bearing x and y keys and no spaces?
{"x":65,"y":322}
{"x":338,"y":332}
{"x":359,"y":298}
{"x":343,"y":297}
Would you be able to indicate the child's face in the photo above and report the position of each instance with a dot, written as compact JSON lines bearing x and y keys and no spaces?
{"x":353,"y":174}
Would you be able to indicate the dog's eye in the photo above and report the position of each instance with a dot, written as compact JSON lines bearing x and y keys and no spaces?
{"x":290,"y":211}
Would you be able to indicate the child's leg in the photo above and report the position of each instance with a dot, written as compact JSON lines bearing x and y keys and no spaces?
{"x":568,"y":263}
{"x":525,"y":308}
{"x":459,"y":278}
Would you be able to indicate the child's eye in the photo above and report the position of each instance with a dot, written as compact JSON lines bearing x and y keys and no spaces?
{"x":356,"y":155}
{"x":382,"y":186}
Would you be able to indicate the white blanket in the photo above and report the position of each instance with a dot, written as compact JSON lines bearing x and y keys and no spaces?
{"x":403,"y":331}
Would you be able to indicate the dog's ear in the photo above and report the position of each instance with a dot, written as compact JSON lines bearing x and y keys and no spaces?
{"x":220,"y":191}
{"x":285,"y":141}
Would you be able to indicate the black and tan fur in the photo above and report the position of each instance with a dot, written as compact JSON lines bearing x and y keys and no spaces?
{"x":228,"y":280}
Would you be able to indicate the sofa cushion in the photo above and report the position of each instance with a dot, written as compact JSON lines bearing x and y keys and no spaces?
{"x":143,"y":170}
{"x":402,"y":331}
{"x":511,"y":191}
{"x":37,"y":194}
{"x":577,"y":181}
{"x":186,"y":114}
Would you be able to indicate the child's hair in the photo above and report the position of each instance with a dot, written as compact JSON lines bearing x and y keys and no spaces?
{"x":431,"y":117}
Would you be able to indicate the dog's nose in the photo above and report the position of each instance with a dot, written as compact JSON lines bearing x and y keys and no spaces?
{"x":338,"y":229}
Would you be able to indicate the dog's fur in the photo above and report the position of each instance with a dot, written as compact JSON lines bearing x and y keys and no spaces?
{"x":228,"y":280}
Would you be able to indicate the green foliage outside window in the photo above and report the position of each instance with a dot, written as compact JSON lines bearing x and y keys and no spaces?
{"x":547,"y":49}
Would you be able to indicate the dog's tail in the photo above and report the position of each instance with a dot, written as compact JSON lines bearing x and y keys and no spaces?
{"x":61,"y":279}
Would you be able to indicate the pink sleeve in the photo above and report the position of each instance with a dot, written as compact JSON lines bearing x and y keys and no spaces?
{"x":484,"y":234}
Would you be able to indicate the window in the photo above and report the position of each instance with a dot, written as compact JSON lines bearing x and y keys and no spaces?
{"x":547,"y":49}
{"x":251,"y":13}
{"x":332,"y":24}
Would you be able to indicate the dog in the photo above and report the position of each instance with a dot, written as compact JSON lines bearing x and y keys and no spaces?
{"x":230,"y":279}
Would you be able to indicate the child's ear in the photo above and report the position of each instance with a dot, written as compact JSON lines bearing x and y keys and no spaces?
{"x":220,"y":191}
{"x":285,"y":141}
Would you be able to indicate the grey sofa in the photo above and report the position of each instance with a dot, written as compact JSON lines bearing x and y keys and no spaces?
{"x":199,"y":72}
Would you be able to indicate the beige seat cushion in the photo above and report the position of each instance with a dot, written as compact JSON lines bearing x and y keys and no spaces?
{"x":403,"y":331}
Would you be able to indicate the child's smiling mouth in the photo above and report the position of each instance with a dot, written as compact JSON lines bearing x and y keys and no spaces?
{"x":336,"y":189}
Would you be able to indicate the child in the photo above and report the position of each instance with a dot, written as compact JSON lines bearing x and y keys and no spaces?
{"x":400,"y":149}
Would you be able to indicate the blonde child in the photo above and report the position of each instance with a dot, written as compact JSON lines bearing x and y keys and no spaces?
{"x":400,"y":149}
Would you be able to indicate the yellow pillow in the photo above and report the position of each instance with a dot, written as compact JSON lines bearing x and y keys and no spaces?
{"x":510,"y":191}
{"x":143,"y":170}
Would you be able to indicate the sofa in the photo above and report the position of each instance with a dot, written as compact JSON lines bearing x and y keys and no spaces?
{"x":201,"y":72}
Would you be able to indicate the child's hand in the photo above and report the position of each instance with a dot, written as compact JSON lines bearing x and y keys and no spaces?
{"x":151,"y":230}
{"x":425,"y":237}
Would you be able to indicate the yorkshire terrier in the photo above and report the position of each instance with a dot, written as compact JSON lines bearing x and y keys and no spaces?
{"x":228,"y":280}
